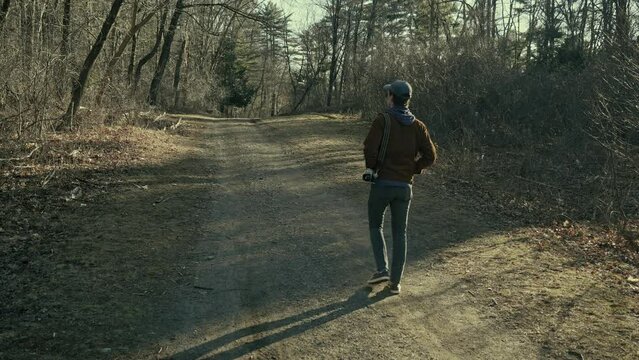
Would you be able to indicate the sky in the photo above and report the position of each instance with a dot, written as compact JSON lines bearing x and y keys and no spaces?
{"x":304,"y":12}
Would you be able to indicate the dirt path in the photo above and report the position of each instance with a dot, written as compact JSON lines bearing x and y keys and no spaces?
{"x":252,"y":242}
{"x":286,"y":252}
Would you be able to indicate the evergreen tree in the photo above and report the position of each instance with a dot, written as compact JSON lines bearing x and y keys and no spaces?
{"x":234,"y":78}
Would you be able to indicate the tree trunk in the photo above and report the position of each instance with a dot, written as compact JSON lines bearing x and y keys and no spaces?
{"x":371,"y":23}
{"x":165,"y":53}
{"x":335,"y":7}
{"x":355,"y":63}
{"x":433,"y":21}
{"x":606,"y":22}
{"x":345,"y":57}
{"x":548,"y":40}
{"x":273,"y":103}
{"x":622,"y":24}
{"x":26,"y":28}
{"x":146,"y":58}
{"x":582,"y":28}
{"x":493,"y":23}
{"x":310,"y":84}
{"x":79,"y":84}
{"x":176,"y":75}
{"x":134,"y":42}
{"x":66,"y":28}
{"x":591,"y":26}
{"x":288,"y":62}
{"x":117,"y":54}
{"x":4,"y":10}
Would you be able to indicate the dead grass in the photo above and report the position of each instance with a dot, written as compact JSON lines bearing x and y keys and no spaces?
{"x":571,"y":308}
{"x":42,"y":199}
{"x":549,"y":190}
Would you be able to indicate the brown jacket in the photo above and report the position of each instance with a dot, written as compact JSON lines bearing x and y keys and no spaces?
{"x":410,"y":149}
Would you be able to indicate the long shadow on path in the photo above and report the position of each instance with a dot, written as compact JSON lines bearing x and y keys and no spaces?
{"x":301,"y":322}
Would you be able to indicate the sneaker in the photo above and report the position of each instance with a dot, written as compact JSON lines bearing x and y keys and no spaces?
{"x":394,"y":289}
{"x":379,"y":277}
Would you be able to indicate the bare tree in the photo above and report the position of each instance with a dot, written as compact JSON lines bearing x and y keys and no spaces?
{"x":334,"y":8}
{"x":4,"y":10}
{"x":178,"y":71}
{"x":129,"y":37}
{"x":66,"y":28}
{"x":165,"y":53}
{"x":156,"y":46}
{"x":134,"y":41}
{"x":80,"y":83}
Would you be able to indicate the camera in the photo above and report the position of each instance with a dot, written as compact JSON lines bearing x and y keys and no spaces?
{"x":369,"y":176}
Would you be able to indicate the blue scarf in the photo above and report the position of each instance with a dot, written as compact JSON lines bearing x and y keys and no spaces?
{"x":402,"y":114}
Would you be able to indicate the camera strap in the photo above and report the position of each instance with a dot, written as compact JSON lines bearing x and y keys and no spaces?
{"x":381,"y":155}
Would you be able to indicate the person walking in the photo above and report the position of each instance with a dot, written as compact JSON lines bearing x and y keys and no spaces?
{"x":392,"y":160}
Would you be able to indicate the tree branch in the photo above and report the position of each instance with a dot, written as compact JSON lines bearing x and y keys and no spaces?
{"x":229,"y":8}
{"x":23,"y":157}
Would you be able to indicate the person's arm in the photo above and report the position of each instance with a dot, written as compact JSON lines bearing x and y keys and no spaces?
{"x":427,"y":151}
{"x":372,"y":142}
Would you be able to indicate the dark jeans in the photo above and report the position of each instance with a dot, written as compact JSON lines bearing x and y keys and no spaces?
{"x":399,"y":200}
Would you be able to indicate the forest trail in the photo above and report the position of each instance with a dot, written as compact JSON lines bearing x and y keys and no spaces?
{"x":274,"y":216}
{"x":249,"y":240}
{"x":284,"y":255}
{"x":126,"y":234}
